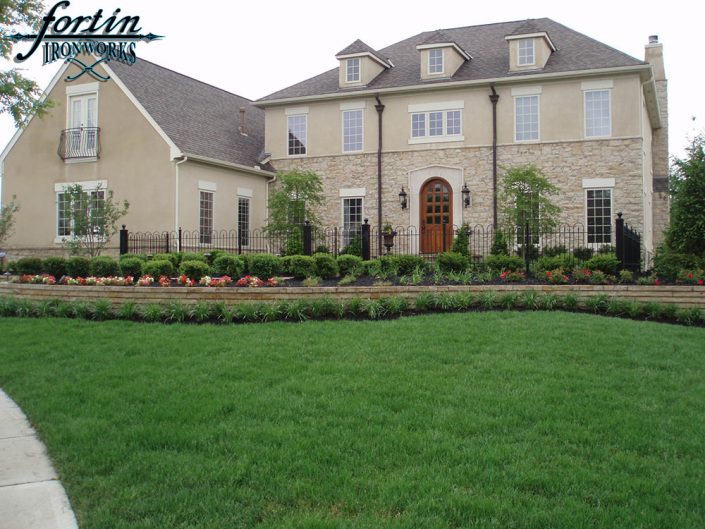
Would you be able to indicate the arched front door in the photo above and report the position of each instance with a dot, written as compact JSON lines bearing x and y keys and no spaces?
{"x":436,"y":215}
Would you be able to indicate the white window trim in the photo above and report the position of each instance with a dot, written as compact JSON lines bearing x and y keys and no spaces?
{"x":352,"y":192}
{"x":354,"y":105}
{"x":538,"y":120}
{"x":87,"y":186}
{"x":203,"y":185}
{"x":585,"y":132}
{"x":531,"y":90}
{"x":342,"y":131}
{"x":249,"y":214}
{"x":596,"y":245}
{"x":342,"y":209}
{"x":533,"y":54}
{"x":295,"y":111}
{"x":432,"y":107}
{"x":82,"y":89}
{"x":602,"y":84}
{"x":444,"y":138}
{"x":286,"y":144}
{"x":245,"y":192}
{"x":598,"y":183}
{"x":359,"y":71}
{"x":443,"y":62}
{"x":212,"y":192}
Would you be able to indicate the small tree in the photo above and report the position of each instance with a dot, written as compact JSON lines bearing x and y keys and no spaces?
{"x":292,"y":203}
{"x":526,"y":199}
{"x":93,"y":217}
{"x":7,"y":219}
{"x":686,"y":233}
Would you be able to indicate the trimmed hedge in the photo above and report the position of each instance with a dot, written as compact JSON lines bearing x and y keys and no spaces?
{"x":452,"y":262}
{"x":499,"y":263}
{"x":407,"y":264}
{"x":264,"y":265}
{"x":132,"y":266}
{"x":104,"y":266}
{"x":174,"y":258}
{"x":29,"y":266}
{"x":158,"y":268}
{"x":193,"y":257}
{"x":228,"y":265}
{"x":349,"y":264}
{"x":301,"y":266}
{"x":54,"y":266}
{"x":194,"y":269}
{"x":326,"y":265}
{"x":604,"y":262}
{"x":78,"y":266}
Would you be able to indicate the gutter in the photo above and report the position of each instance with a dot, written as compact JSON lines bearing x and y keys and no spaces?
{"x":256,"y":170}
{"x":379,"y":107}
{"x":642,"y":69}
{"x":653,"y":108}
{"x":177,"y":197}
{"x":494,"y":98}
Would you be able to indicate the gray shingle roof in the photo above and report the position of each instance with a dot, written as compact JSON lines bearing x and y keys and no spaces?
{"x":199,"y":118}
{"x":489,"y":50}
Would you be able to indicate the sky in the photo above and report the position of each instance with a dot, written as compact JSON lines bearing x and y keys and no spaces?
{"x":256,"y":48}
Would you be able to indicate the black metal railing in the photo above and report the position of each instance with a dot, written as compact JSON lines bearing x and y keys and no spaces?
{"x":83,"y":142}
{"x":365,"y":241}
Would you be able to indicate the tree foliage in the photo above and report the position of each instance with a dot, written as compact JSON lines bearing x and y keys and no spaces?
{"x":293,"y":202}
{"x":525,"y":198}
{"x":20,"y":97}
{"x":686,"y":233}
{"x":93,"y":217}
{"x":7,"y":219}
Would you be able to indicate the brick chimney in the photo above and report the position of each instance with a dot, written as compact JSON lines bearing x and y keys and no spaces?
{"x":659,"y":143}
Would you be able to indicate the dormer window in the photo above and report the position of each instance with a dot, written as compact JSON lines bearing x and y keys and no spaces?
{"x":435,"y":61}
{"x":352,"y":70}
{"x":525,"y":52}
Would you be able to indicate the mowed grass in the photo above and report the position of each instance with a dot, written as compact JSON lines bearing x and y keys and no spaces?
{"x":498,"y":419}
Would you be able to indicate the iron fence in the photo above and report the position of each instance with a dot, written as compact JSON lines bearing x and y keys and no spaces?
{"x":367,"y":240}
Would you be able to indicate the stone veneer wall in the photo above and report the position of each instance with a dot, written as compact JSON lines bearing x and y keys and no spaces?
{"x":565,"y":163}
{"x":683,"y":296}
{"x":661,"y":198}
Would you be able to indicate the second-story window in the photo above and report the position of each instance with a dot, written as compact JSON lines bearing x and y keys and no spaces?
{"x":436,"y":124}
{"x":525,"y":52}
{"x":352,"y":70}
{"x":83,"y":120}
{"x":526,"y":118}
{"x":435,"y":61}
{"x":598,"y":119}
{"x":296,"y":134}
{"x":352,"y":130}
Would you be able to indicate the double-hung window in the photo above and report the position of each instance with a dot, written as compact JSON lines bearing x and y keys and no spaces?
{"x":352,"y":70}
{"x":205,"y":216}
{"x":436,"y":125}
{"x":526,"y":117}
{"x":435,"y":61}
{"x":352,"y":218}
{"x":525,"y":52}
{"x":297,"y":125}
{"x":599,"y":216}
{"x":598,"y":117}
{"x":353,"y":130}
{"x":79,"y":210}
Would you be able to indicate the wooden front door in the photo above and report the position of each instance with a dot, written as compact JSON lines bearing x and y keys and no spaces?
{"x":436,"y":215}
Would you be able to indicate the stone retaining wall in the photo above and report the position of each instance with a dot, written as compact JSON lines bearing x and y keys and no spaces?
{"x":683,"y":296}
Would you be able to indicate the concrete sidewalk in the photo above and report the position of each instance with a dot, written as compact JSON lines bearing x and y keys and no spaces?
{"x":31,"y":497}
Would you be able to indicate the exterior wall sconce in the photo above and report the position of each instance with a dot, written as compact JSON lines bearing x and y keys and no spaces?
{"x":402,"y":198}
{"x":466,"y":195}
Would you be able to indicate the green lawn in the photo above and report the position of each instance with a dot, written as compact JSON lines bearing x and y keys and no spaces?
{"x":497,"y":419}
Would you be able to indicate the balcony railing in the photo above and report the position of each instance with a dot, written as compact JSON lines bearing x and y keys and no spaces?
{"x":79,"y":143}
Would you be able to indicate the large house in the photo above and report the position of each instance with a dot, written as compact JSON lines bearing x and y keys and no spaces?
{"x":417,"y":134}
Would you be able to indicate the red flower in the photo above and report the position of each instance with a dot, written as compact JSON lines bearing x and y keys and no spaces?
{"x":690,"y":275}
{"x":700,"y":282}
{"x":548,"y":275}
{"x":657,"y":282}
{"x":503,"y":276}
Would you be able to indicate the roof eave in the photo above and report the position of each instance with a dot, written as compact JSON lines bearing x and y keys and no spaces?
{"x":638,"y":68}
{"x":542,"y":34}
{"x":453,"y":45}
{"x":256,"y":170}
{"x":364,"y":54}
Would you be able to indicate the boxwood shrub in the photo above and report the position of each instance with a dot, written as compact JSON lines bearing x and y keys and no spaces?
{"x":264,"y":265}
{"x":104,"y":266}
{"x":452,"y":262}
{"x":228,"y":265}
{"x":78,"y":266}
{"x":194,"y":269}
{"x":142,"y":257}
{"x":499,"y":263}
{"x":302,"y":266}
{"x":131,"y":266}
{"x":406,"y":264}
{"x":29,"y":266}
{"x":158,"y":268}
{"x":326,"y":265}
{"x":174,"y":258}
{"x":54,"y":266}
{"x":350,"y":264}
{"x":604,"y":262}
{"x":193,"y":257}
{"x":566,"y":262}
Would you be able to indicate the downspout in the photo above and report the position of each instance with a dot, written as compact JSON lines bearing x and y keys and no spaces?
{"x":379,"y":107}
{"x":177,"y":195}
{"x":494,"y":98}
{"x":266,"y":197}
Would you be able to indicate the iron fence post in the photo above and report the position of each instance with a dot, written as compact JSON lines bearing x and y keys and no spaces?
{"x":619,"y":240}
{"x":365,"y":231}
{"x":308,"y":242}
{"x":527,"y":240}
{"x":178,"y":247}
{"x":239,"y":240}
{"x":123,"y":240}
{"x":166,"y":242}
